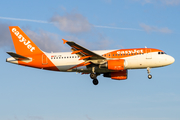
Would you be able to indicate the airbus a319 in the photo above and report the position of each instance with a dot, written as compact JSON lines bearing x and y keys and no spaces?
{"x":110,"y":63}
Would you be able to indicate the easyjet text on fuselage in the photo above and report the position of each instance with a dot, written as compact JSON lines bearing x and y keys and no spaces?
{"x":130,"y":51}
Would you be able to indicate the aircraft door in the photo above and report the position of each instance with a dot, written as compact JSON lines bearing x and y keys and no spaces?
{"x":44,"y":59}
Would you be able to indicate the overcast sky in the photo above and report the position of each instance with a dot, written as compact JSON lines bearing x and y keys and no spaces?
{"x":33,"y":94}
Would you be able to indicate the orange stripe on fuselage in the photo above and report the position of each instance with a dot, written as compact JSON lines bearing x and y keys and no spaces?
{"x":123,"y":53}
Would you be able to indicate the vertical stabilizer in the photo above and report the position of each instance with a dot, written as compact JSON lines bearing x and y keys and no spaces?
{"x":22,"y":43}
{"x":27,"y":53}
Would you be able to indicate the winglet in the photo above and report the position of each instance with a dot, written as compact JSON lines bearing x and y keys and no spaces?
{"x":64,"y":41}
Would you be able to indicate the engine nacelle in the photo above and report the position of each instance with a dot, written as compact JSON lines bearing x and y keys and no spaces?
{"x":121,"y":75}
{"x":114,"y":64}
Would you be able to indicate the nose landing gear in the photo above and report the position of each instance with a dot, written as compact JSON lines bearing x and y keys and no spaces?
{"x":149,"y":76}
{"x":148,"y":71}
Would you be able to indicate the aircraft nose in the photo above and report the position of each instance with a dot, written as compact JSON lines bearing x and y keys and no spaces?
{"x":171,"y":60}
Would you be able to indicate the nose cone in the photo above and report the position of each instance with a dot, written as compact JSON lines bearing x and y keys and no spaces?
{"x":171,"y":60}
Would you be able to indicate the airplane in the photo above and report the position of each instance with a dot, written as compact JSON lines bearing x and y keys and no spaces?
{"x":113,"y":64}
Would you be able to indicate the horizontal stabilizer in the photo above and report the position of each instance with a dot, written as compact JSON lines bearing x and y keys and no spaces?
{"x":17,"y":56}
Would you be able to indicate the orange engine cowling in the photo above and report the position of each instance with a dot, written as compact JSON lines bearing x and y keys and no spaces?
{"x":114,"y":64}
{"x":121,"y":75}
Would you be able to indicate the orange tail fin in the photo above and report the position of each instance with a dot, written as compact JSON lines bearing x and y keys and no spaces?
{"x":22,"y":43}
{"x":27,"y":53}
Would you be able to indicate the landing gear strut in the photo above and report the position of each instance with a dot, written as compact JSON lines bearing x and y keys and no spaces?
{"x":149,"y":75}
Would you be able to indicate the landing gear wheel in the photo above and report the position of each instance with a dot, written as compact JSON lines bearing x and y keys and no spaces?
{"x":95,"y":82}
{"x":149,"y":76}
{"x":93,"y":76}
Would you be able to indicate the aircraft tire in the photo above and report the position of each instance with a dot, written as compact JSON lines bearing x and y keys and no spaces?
{"x":95,"y":82}
{"x":93,"y":76}
{"x":149,"y":76}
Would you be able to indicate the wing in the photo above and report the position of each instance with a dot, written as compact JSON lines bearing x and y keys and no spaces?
{"x":82,"y":52}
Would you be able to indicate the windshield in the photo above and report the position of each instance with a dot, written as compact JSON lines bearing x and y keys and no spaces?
{"x":161,"y":53}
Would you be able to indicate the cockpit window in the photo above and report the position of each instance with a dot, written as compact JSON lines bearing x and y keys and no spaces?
{"x":161,"y":53}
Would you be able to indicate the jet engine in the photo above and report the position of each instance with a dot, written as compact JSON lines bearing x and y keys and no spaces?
{"x":120,"y":75}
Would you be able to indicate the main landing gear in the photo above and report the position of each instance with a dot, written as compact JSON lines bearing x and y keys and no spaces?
{"x":93,"y":76}
{"x":148,"y":71}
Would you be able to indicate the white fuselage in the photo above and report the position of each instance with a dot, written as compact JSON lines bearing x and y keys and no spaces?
{"x":65,"y":60}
